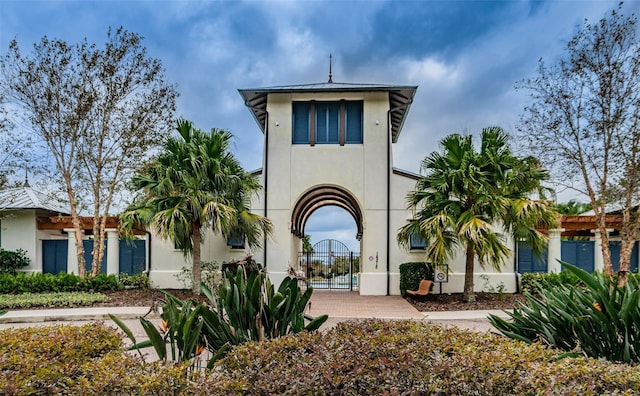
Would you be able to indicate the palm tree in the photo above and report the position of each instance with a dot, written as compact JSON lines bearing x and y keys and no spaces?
{"x":466,"y":196}
{"x":196,"y":183}
{"x":573,"y":207}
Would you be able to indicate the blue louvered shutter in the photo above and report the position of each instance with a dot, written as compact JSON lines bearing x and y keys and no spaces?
{"x":327,"y":122}
{"x":301,"y":122}
{"x":353,"y":133}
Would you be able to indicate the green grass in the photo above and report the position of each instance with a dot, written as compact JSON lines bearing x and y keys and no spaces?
{"x":53,"y":300}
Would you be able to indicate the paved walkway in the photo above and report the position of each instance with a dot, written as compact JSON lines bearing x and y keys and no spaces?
{"x":339,"y":305}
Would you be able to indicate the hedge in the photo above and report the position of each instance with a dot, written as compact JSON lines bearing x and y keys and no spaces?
{"x":50,"y":300}
{"x":529,"y":280}
{"x":357,"y":357}
{"x":81,"y":360}
{"x":63,"y":282}
{"x":412,"y":273}
{"x":409,"y":357}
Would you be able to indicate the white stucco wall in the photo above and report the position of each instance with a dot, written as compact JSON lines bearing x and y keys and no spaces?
{"x":484,"y":278}
{"x":166,"y":262}
{"x":360,"y":169}
{"x":19,"y":231}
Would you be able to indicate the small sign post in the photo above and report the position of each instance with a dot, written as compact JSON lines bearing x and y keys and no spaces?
{"x":441,"y":275}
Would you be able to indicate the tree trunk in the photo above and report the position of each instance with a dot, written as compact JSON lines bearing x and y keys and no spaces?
{"x":469,"y":295}
{"x":628,"y":235}
{"x":606,"y":251}
{"x":99,"y":238}
{"x":197,"y":267}
{"x":77,"y":226}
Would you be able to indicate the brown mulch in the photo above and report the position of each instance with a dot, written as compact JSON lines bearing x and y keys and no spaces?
{"x":144,"y":297}
{"x":432,"y":302}
{"x":454,"y":302}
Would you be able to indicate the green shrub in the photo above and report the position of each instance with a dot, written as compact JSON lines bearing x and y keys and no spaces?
{"x":597,"y":318}
{"x":81,"y":360}
{"x":211,"y":275}
{"x":11,"y":262}
{"x":137,"y":281}
{"x":408,"y":357}
{"x":102,"y":283}
{"x":248,"y":308}
{"x":412,"y":273}
{"x":35,"y":359}
{"x":357,"y":357}
{"x":68,"y":282}
{"x":529,"y":281}
{"x":56,"y":299}
{"x":63,"y":282}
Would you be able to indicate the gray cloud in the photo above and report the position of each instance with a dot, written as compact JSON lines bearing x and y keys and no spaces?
{"x":465,"y":56}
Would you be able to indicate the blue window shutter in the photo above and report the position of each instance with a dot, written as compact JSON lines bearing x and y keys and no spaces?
{"x":354,"y":122}
{"x":327,"y":122}
{"x":301,"y":122}
{"x":321,"y":122}
{"x":333,"y":129}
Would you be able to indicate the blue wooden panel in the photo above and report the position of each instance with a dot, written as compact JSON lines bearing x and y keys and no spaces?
{"x":615,"y":247}
{"x":133,"y":257}
{"x":579,"y":253}
{"x":353,"y":110}
{"x":88,"y":257}
{"x":54,"y":256}
{"x":327,"y":122}
{"x":529,"y":262}
{"x":301,"y":123}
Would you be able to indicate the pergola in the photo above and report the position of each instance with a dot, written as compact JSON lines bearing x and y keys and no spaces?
{"x":66,"y":223}
{"x":581,"y":225}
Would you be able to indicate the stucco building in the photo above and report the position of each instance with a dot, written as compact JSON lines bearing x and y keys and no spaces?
{"x":324,"y":144}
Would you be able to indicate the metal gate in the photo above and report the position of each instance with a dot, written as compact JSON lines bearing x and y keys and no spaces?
{"x":330,"y":265}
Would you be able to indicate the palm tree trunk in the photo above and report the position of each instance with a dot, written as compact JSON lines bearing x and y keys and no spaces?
{"x":468,"y":295}
{"x":197,"y":268}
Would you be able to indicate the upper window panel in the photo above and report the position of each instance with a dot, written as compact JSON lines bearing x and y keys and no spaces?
{"x":301,"y":122}
{"x":337,"y":122}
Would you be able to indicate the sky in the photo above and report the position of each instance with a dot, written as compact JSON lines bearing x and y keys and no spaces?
{"x":464,"y":56}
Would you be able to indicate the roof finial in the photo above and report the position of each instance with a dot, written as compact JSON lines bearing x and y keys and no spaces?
{"x":26,"y":176}
{"x":330,"y":74}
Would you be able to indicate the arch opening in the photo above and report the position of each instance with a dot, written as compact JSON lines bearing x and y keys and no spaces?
{"x":322,"y":196}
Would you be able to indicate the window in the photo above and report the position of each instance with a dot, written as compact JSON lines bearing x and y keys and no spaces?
{"x":301,"y":122}
{"x":327,"y":122}
{"x":235,"y":242}
{"x":337,"y":122}
{"x":418,"y":242}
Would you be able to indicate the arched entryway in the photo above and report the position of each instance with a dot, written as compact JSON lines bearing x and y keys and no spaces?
{"x":319,"y":197}
{"x":329,"y":263}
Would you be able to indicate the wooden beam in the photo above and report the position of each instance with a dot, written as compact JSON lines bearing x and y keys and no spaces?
{"x":574,"y":225}
{"x":62,"y":222}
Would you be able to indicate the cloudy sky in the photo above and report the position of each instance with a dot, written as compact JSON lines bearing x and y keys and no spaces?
{"x":465,"y":56}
